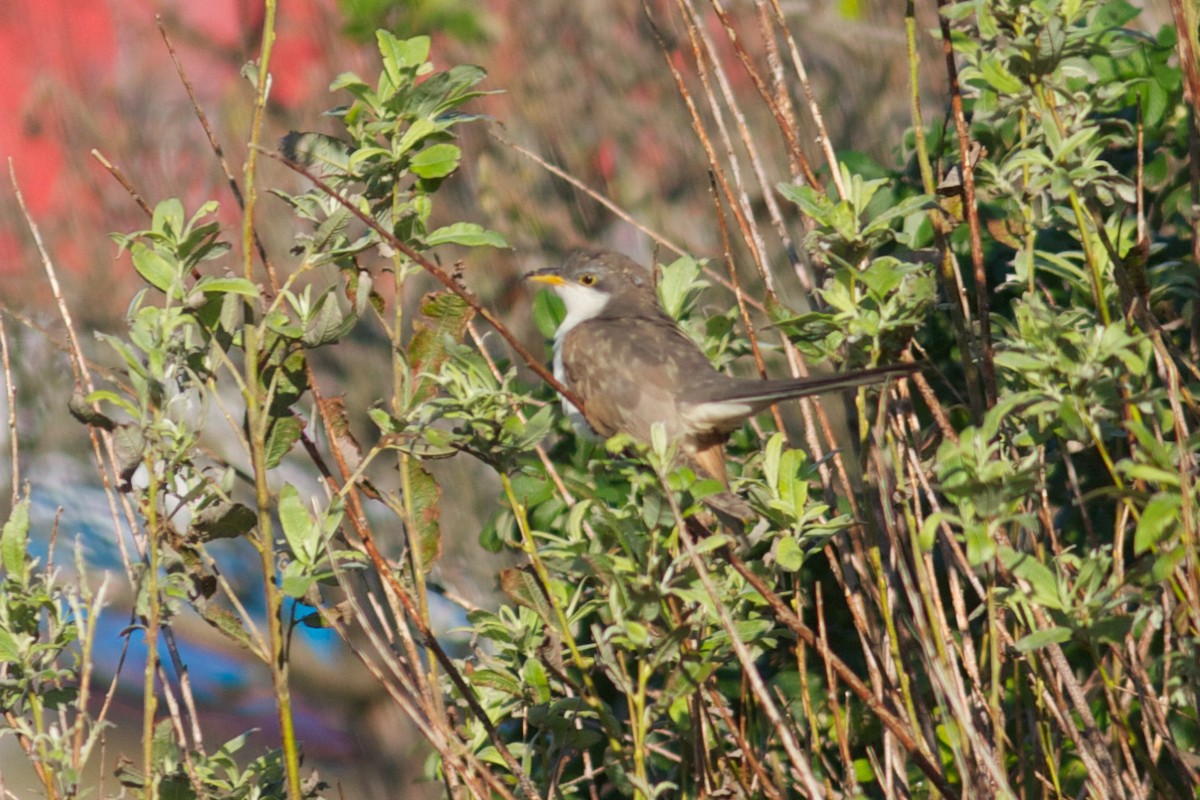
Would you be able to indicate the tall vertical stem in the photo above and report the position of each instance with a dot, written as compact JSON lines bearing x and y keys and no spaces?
{"x":258,"y":420}
{"x":149,"y":696}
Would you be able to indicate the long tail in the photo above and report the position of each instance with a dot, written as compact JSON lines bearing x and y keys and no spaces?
{"x":770,"y":391}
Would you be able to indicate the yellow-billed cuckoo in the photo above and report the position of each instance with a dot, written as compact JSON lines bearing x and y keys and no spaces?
{"x":631,"y":366}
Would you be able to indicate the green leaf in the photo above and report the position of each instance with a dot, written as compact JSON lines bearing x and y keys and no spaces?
{"x":154,"y":269}
{"x":492,"y":679}
{"x":224,"y":521}
{"x":401,"y":54}
{"x":297,"y":579}
{"x":129,"y":444}
{"x":863,"y":771}
{"x":793,"y":490}
{"x":290,"y":381}
{"x":548,"y":312}
{"x":436,"y":161}
{"x":812,"y":203}
{"x":1158,"y":523}
{"x":1040,"y":578}
{"x":749,"y":630}
{"x":207,"y":208}
{"x":443,"y":322}
{"x":929,"y":530}
{"x":637,"y":633}
{"x":1043,"y":638}
{"x":999,"y":78}
{"x":1165,"y":564}
{"x":299,"y":528}
{"x":462,"y":77}
{"x":659,"y":442}
{"x":981,"y":547}
{"x":59,"y":698}
{"x":522,"y":588}
{"x":536,"y":428}
{"x":468,"y":234}
{"x":446,"y":91}
{"x":163,"y":741}
{"x":201,"y":244}
{"x":420,"y":129}
{"x":491,"y":538}
{"x":14,"y":542}
{"x":239,"y":286}
{"x":1018,"y":362}
{"x":331,"y":519}
{"x":1152,"y":474}
{"x":323,"y":155}
{"x":958,"y":11}
{"x":771,"y":460}
{"x":168,"y":218}
{"x":285,"y":431}
{"x":424,"y":497}
{"x":328,"y":324}
{"x":350,"y":82}
{"x":710,"y":543}
{"x":910,"y":205}
{"x":10,"y":651}
{"x":678,"y":283}
{"x":788,"y":554}
{"x":386,"y":423}
{"x":535,"y":678}
{"x":227,"y":623}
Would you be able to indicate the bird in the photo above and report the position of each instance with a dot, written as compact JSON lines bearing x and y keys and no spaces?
{"x":631,"y":365}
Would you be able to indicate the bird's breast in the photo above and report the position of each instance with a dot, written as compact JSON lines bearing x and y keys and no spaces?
{"x":578,"y":421}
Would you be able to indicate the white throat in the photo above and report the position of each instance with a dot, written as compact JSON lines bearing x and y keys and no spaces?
{"x":582,"y":304}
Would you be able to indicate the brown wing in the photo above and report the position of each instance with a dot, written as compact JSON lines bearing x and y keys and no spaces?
{"x":629,"y":370}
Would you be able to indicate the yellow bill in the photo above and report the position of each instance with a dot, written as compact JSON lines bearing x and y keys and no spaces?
{"x":546,"y":276}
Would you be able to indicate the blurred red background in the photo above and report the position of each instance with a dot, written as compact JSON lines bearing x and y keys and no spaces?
{"x":96,"y":75}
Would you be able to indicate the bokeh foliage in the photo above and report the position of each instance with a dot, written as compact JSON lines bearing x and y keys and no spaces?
{"x":985,"y":583}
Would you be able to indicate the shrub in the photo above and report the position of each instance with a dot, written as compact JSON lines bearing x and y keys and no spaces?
{"x":986,"y":585}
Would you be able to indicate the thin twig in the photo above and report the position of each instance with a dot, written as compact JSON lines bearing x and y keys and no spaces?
{"x":750,"y":669}
{"x":971,"y":210}
{"x":814,"y":108}
{"x":810,"y":408}
{"x":10,"y":391}
{"x":740,"y":296}
{"x":619,"y":212}
{"x":738,"y":202}
{"x":214,"y":144}
{"x":120,"y":176}
{"x":947,"y":273}
{"x":356,"y":516}
{"x":102,"y":444}
{"x":547,"y":464}
{"x":440,"y":274}
{"x":199,"y":111}
{"x":890,"y":720}
{"x":408,"y":696}
{"x":766,"y":190}
{"x":789,"y":132}
{"x":1184,"y":15}
{"x":51,"y":273}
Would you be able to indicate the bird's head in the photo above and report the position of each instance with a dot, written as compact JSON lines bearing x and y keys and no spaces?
{"x":589,"y":279}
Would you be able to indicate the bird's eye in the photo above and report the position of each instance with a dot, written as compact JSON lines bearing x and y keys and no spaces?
{"x":587,"y":279}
